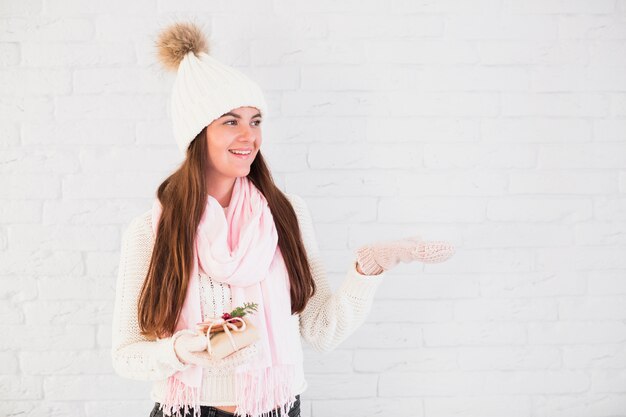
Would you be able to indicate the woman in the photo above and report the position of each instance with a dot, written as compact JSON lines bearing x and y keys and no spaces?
{"x":219,"y":235}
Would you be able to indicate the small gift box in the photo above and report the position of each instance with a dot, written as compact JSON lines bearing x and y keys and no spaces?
{"x":229,"y":333}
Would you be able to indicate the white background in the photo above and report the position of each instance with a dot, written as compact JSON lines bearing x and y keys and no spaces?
{"x":499,"y":125}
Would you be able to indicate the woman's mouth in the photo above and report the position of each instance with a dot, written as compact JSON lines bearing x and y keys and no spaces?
{"x":240,"y":153}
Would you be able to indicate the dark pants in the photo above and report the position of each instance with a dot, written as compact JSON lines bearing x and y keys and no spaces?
{"x":207,"y":411}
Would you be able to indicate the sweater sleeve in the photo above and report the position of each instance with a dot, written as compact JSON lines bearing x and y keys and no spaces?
{"x":133,"y":355}
{"x":329,"y":318}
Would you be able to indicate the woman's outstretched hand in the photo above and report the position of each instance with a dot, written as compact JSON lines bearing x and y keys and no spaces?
{"x":375,"y":258}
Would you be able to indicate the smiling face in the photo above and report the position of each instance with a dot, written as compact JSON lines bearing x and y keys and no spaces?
{"x":233,"y":140}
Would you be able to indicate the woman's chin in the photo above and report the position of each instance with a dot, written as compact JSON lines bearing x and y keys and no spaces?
{"x":240,"y":172}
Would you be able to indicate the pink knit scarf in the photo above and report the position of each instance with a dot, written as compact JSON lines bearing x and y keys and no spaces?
{"x":240,"y":248}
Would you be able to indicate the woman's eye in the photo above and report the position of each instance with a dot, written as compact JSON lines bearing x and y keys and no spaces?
{"x":258,"y":122}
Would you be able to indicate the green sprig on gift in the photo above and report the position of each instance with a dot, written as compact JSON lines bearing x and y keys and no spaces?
{"x":241,"y":311}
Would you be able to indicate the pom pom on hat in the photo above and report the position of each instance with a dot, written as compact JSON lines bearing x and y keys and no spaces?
{"x":177,"y":40}
{"x":204,"y":88}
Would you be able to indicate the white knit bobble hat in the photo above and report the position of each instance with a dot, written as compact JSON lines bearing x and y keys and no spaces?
{"x":204,"y":88}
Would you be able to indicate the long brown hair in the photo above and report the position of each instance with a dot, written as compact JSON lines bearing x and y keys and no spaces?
{"x":183,"y":196}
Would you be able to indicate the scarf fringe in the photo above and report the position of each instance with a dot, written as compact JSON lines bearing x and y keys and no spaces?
{"x":180,"y":396}
{"x":261,"y":391}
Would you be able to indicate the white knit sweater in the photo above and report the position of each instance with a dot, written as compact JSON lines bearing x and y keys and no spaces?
{"x":328,"y":319}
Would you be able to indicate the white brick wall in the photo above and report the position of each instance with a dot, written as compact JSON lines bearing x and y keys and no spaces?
{"x":497,"y":124}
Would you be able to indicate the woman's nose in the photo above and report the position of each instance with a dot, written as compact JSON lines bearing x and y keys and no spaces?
{"x":248,"y":134}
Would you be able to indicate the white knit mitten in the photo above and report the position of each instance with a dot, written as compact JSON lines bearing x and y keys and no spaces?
{"x":191,"y":347}
{"x":378,"y":257}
